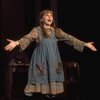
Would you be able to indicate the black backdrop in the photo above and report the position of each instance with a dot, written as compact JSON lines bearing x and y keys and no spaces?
{"x":80,"y":19}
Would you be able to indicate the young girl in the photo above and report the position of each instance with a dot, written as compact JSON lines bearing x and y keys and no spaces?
{"x":45,"y":74}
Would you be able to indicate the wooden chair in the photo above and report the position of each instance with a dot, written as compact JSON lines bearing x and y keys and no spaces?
{"x":72,"y":78}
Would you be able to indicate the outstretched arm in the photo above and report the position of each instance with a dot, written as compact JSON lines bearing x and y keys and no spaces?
{"x":76,"y":43}
{"x":12,"y":44}
{"x":91,"y":46}
{"x":23,"y":42}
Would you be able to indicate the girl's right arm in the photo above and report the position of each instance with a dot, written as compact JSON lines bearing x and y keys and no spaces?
{"x":23,"y":42}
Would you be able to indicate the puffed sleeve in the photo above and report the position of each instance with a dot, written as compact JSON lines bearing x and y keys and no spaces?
{"x":27,"y":39}
{"x":72,"y":41}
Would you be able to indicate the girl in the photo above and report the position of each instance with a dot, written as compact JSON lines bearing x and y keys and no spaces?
{"x":45,"y":74}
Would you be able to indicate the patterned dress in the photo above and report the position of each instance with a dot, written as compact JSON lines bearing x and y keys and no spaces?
{"x":45,"y":72}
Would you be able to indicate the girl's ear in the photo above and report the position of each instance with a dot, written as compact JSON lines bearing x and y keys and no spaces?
{"x":41,"y":20}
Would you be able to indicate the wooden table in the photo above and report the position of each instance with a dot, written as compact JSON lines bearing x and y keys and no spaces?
{"x":9,"y":72}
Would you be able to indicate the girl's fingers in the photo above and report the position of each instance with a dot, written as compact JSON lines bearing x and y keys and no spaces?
{"x":9,"y":40}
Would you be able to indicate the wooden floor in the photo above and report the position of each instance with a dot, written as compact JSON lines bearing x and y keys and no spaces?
{"x":80,"y":92}
{"x":72,"y":93}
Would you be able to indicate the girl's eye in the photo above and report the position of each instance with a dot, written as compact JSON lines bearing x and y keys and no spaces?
{"x":48,"y":15}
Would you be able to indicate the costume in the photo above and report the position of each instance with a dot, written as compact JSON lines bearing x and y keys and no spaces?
{"x":45,"y":72}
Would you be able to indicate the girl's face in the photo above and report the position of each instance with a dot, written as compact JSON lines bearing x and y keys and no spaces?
{"x":47,"y":19}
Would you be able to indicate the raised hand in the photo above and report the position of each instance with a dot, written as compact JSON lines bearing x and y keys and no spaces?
{"x":12,"y":44}
{"x":91,"y":46}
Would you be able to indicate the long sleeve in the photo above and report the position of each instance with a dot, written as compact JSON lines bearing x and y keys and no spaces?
{"x":27,"y":39}
{"x":73,"y":41}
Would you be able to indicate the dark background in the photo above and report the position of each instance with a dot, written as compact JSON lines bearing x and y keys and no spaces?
{"x":78,"y":18}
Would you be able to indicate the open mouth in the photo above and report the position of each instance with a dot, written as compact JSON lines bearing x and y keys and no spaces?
{"x":49,"y":20}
